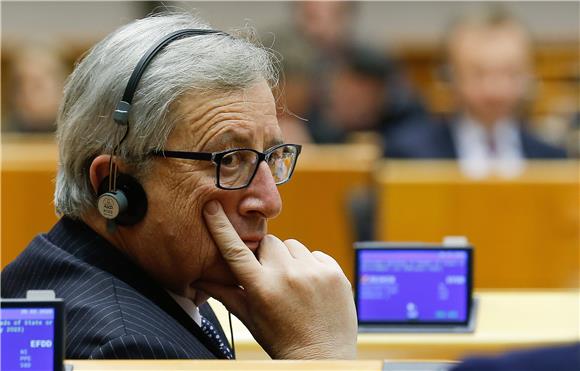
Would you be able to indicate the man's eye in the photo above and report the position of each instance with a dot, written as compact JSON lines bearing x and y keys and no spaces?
{"x":231,"y":160}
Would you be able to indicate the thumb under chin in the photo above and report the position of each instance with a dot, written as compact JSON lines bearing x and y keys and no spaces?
{"x":200,"y":297}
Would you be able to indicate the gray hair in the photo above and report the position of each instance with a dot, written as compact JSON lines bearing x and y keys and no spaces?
{"x":85,"y":127}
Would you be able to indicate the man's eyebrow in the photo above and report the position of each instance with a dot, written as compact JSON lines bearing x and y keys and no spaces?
{"x":231,"y":139}
{"x":273,"y":142}
{"x":227,"y":140}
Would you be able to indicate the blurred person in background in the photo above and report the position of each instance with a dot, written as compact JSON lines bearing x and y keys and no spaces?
{"x":367,"y":94}
{"x":36,"y":80}
{"x":562,"y":357}
{"x":308,"y":47}
{"x":294,"y":94}
{"x":335,"y":69}
{"x":490,"y":68}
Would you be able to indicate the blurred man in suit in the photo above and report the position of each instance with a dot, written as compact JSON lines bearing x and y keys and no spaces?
{"x":325,"y":65}
{"x":166,"y":199}
{"x":310,"y":44}
{"x":562,"y":358}
{"x":36,"y":78}
{"x":490,"y":69}
{"x":367,"y":93}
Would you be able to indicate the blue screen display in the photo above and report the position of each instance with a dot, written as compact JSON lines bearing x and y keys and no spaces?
{"x":27,"y":338}
{"x":413,"y":286}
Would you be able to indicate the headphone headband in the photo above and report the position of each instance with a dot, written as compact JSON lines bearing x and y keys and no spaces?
{"x":127,"y":204}
{"x":121,"y":113}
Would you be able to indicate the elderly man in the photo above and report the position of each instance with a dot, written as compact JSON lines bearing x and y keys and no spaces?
{"x":166,"y":182}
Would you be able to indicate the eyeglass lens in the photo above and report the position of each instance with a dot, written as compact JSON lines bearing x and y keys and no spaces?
{"x":237,"y":168}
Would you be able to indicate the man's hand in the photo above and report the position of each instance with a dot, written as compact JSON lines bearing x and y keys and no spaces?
{"x":297,"y":304}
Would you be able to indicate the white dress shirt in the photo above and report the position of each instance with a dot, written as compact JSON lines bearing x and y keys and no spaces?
{"x":188,"y":306}
{"x":483,"y":152}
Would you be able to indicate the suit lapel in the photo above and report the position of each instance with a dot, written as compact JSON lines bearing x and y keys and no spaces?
{"x":84,"y":243}
{"x":448,"y":147}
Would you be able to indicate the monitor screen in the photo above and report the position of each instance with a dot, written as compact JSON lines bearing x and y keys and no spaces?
{"x":28,"y":338}
{"x":413,"y":285}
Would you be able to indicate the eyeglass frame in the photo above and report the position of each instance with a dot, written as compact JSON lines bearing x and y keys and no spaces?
{"x":216,"y":158}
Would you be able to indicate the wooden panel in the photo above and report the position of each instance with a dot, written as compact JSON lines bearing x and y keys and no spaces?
{"x":525,"y":231}
{"x":27,"y":189}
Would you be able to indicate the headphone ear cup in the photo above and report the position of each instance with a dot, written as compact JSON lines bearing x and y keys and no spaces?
{"x":112,"y":204}
{"x":131,"y":211}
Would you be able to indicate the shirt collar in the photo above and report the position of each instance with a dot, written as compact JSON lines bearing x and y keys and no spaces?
{"x":188,"y":306}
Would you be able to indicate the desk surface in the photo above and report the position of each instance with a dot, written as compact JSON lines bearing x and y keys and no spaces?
{"x":505,"y":320}
{"x":178,"y":365}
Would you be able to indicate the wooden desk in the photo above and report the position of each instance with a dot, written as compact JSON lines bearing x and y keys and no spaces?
{"x":183,"y":365}
{"x":505,"y":320}
{"x":27,"y":191}
{"x":525,"y":230}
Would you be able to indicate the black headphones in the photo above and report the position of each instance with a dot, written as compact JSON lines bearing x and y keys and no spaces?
{"x":122,"y":200}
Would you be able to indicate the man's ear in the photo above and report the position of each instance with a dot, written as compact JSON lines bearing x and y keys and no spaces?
{"x":99,"y":170}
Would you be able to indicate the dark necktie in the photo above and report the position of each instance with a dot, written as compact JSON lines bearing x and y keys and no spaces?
{"x":209,"y":330}
{"x":491,"y":144}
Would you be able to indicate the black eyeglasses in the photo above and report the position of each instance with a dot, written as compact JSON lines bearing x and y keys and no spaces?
{"x":236,"y":168}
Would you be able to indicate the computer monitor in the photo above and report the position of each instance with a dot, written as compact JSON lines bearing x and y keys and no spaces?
{"x":401,"y":285}
{"x":32,"y":335}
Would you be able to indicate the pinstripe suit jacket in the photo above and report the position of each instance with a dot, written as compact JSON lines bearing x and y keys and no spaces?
{"x":113,"y":308}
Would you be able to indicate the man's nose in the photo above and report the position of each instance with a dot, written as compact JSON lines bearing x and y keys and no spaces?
{"x":262,"y":194}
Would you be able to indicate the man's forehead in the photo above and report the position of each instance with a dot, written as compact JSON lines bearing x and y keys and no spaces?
{"x":247,"y":135}
{"x":256,"y":99}
{"x":471,"y":39}
{"x":230,"y":117}
{"x":494,"y":53}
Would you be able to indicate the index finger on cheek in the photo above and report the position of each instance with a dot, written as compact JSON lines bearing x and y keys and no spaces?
{"x":236,"y":254}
